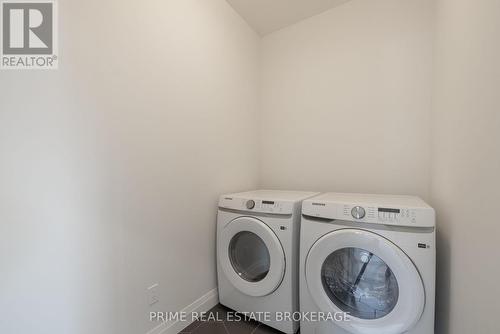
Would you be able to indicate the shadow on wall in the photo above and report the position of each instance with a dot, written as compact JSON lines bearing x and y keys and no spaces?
{"x":442,"y":283}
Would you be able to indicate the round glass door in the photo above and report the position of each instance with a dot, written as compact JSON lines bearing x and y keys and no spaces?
{"x":359,"y":282}
{"x":249,"y":256}
{"x":368,"y":276}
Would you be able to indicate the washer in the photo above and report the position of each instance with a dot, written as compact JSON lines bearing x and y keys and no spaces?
{"x":372,"y":256}
{"x":258,"y":254}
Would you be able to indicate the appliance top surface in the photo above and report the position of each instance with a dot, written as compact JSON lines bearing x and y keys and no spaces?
{"x":273,"y":195}
{"x":371,"y":199}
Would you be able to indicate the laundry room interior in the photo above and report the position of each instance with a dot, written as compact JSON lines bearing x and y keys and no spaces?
{"x":165,"y":120}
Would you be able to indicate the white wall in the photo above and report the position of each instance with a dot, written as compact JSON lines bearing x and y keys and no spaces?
{"x":346,"y":100}
{"x":466,"y":165}
{"x":111,"y":166}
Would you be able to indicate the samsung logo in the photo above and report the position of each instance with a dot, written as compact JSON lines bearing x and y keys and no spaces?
{"x":319,"y":204}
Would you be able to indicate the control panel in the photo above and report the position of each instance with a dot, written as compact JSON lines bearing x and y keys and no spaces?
{"x":372,"y":214}
{"x":366,"y":213}
{"x":389,"y":214}
{"x":257,"y":205}
{"x":390,"y":210}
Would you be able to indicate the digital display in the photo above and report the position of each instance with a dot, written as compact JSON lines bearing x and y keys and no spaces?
{"x":389,"y":210}
{"x":268,"y":202}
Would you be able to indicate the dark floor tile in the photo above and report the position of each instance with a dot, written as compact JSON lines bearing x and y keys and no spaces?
{"x":212,"y":327}
{"x":241,"y":327}
{"x":263,"y":329}
{"x":191,"y":327}
{"x":217,"y":321}
{"x":218,"y":312}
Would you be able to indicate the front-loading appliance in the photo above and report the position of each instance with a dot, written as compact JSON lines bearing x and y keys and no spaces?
{"x":258,"y":254}
{"x":372,"y":257}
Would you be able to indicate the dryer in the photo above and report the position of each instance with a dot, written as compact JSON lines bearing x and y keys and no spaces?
{"x":372,"y":256}
{"x":258,"y":254}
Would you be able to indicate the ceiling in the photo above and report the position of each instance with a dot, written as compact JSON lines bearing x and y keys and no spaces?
{"x":266,"y":16}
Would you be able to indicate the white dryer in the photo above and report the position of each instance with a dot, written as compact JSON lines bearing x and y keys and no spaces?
{"x":372,"y":256}
{"x":258,"y":254}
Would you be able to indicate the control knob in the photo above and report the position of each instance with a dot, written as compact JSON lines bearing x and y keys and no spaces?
{"x":250,"y":204}
{"x":358,"y":212}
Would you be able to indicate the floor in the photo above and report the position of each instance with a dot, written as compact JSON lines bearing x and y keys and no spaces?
{"x":221,"y":326}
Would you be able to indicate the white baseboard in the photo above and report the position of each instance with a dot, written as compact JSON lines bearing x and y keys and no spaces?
{"x":202,"y":304}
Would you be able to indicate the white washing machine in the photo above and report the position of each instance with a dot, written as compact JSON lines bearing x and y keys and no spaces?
{"x":258,"y":254}
{"x":372,"y":256}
